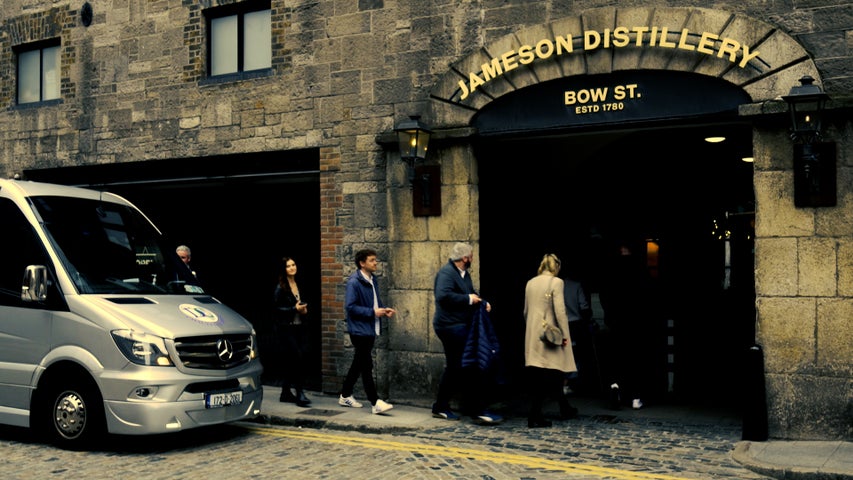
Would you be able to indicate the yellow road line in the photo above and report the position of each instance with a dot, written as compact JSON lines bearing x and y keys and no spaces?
{"x":467,"y":453}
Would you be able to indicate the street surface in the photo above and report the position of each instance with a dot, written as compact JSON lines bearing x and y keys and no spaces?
{"x":591,"y":447}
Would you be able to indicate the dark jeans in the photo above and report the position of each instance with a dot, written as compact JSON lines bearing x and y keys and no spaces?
{"x":362,"y":364}
{"x":466,"y":381}
{"x":587,"y":379}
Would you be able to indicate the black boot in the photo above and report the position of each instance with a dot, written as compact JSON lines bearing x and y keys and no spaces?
{"x":615,"y":397}
{"x":567,"y":411}
{"x":286,"y":395}
{"x":538,"y":422}
{"x":301,"y":399}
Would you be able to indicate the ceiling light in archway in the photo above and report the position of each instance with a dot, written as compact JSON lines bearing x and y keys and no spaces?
{"x":714,"y":139}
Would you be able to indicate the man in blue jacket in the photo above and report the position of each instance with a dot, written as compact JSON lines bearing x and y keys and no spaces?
{"x":364,"y":309}
{"x":456,"y":302}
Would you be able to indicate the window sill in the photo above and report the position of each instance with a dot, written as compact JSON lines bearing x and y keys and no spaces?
{"x":30,"y":105}
{"x":236,"y":77}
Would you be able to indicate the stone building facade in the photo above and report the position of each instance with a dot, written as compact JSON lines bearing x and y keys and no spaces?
{"x":136,"y":95}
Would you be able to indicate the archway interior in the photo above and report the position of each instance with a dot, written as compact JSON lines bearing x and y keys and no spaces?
{"x":581,"y":195}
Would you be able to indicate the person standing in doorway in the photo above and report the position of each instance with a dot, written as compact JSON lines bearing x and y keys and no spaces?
{"x":185,"y":254}
{"x":581,"y":328}
{"x":625,"y":298}
{"x":291,"y":315}
{"x":189,"y":275}
{"x":456,"y":302}
{"x":546,"y":365}
{"x":364,"y":311}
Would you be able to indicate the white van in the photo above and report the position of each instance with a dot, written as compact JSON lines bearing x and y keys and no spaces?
{"x":103,"y":329}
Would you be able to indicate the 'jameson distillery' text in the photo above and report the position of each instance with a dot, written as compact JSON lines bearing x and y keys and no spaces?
{"x":705,"y":43}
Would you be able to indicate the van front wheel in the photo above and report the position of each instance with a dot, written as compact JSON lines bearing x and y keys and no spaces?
{"x":77,"y":414}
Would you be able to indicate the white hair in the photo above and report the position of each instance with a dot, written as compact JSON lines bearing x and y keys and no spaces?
{"x":460,"y":250}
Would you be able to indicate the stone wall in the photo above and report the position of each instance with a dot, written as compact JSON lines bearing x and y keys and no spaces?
{"x":802,"y":259}
{"x":420,"y":247}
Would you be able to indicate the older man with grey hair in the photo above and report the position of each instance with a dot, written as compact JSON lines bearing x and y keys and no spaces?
{"x":456,"y":302}
{"x":185,"y":254}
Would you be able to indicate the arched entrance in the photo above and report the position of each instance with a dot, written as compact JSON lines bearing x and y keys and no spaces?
{"x":641,"y":176}
{"x":636,"y":170}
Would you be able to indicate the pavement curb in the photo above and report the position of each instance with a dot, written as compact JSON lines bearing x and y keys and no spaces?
{"x":742,"y":455}
{"x":749,"y":455}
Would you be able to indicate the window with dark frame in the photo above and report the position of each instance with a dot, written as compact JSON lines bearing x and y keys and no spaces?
{"x":239,"y":38}
{"x":38,"y":74}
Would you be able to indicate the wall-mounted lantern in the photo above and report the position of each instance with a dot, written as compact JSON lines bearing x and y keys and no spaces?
{"x":425,"y":180}
{"x":814,"y":161}
{"x":413,"y":137}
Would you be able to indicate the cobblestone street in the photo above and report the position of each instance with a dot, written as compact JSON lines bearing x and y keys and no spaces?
{"x":594,"y":446}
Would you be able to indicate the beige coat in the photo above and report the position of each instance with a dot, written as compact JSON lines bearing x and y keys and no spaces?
{"x":536,"y":305}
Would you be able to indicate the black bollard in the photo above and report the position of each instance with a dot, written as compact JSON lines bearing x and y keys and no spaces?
{"x":755,"y":407}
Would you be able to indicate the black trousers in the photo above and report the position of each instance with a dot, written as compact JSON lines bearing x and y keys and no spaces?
{"x":362,"y":365}
{"x":467,"y":382}
{"x":294,"y":339}
{"x":544,"y":383}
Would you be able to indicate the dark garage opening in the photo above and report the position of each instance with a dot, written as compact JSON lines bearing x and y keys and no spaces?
{"x":239,"y":214}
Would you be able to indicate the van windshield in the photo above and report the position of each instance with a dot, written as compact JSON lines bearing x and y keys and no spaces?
{"x":108,"y":248}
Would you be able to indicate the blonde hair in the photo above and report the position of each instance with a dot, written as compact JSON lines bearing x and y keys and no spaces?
{"x":550,"y":263}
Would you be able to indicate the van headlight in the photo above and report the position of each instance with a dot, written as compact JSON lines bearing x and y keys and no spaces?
{"x":254,"y":352}
{"x":142,"y":348}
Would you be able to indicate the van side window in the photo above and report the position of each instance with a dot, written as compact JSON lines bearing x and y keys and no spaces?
{"x":22,"y":248}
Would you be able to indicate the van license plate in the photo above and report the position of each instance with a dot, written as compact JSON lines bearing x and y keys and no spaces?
{"x":216,"y":400}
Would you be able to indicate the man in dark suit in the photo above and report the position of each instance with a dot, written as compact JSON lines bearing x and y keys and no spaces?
{"x":456,"y":302}
{"x":186,"y":256}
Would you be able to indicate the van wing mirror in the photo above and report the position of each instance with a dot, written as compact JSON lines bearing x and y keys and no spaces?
{"x":34,"y":288}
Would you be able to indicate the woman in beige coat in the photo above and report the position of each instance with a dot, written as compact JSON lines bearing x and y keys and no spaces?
{"x":545,"y":365}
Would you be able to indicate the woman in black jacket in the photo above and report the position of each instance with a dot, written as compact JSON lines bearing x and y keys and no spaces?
{"x":290,"y":316}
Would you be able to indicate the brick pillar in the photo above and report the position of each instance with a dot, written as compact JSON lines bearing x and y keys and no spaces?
{"x":331,"y":238}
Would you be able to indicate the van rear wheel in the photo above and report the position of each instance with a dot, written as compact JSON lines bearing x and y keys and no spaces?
{"x":76,"y":413}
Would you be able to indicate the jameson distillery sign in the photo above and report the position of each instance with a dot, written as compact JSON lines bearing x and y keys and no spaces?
{"x":703,"y":43}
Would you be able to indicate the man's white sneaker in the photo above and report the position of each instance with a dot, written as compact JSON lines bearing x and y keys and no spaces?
{"x":637,"y":404}
{"x":382,"y":407}
{"x":349,"y":402}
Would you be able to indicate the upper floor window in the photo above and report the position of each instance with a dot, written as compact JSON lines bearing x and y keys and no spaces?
{"x":240,"y":38}
{"x":38,"y":72}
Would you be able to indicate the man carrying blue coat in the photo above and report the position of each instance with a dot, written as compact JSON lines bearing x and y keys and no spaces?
{"x":456,"y":303}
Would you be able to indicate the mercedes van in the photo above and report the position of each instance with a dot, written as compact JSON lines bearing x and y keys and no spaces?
{"x":103,"y":329}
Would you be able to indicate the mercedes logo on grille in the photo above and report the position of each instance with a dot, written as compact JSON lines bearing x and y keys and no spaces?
{"x":224,"y":350}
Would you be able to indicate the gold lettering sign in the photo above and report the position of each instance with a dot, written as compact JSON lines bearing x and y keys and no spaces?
{"x":600,"y":99}
{"x":704,"y":43}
